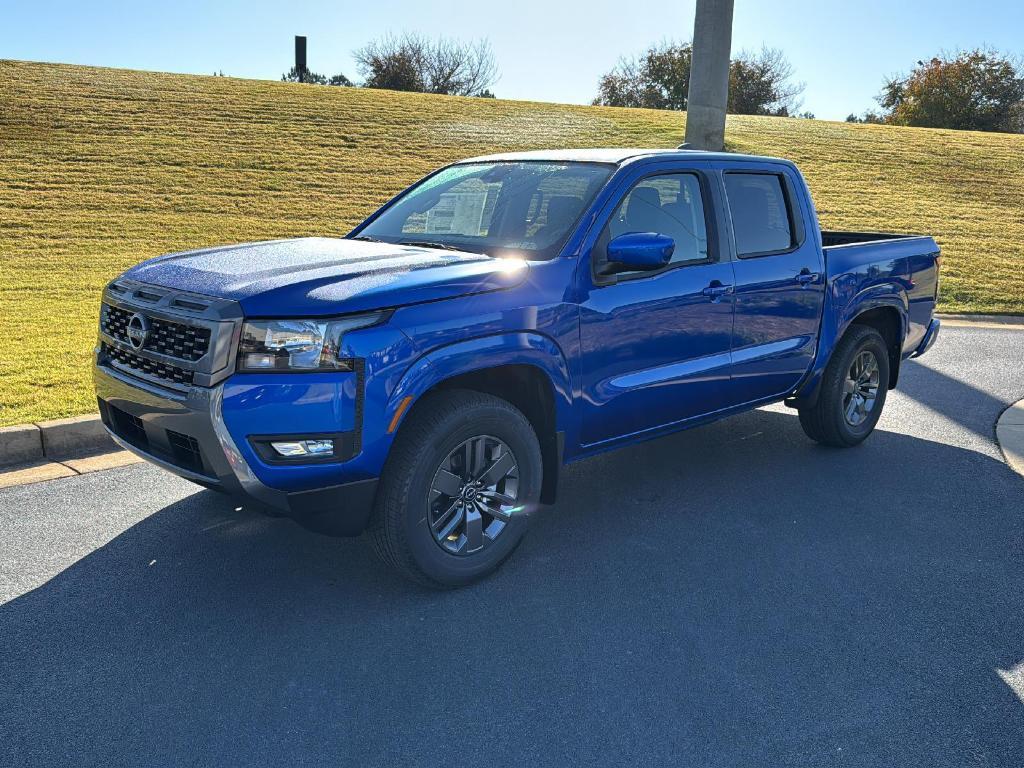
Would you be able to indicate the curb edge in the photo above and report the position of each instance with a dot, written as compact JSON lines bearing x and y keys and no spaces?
{"x":1010,"y":436}
{"x":53,"y":440}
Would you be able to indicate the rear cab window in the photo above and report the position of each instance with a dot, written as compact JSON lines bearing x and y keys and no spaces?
{"x":761,"y":212}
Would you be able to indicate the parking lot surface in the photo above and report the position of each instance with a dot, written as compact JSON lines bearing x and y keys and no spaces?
{"x":729,"y":596}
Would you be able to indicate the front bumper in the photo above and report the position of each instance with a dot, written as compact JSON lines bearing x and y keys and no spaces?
{"x":184,"y":433}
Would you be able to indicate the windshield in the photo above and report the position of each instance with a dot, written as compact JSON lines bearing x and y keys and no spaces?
{"x":502,"y":209}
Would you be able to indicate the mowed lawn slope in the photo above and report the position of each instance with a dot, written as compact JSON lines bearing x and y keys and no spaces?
{"x":102,"y":168}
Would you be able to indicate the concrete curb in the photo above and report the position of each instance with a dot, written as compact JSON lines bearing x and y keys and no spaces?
{"x":1010,"y":436}
{"x":983,"y":321}
{"x":20,"y":444}
{"x":41,"y":471}
{"x":79,"y":434}
{"x":54,"y":440}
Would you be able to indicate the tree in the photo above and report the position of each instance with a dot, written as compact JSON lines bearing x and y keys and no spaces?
{"x":658,"y":79}
{"x":867,"y":117}
{"x":759,"y":84}
{"x":762,"y":84}
{"x":979,"y":90}
{"x":413,"y":62}
{"x":393,"y":67}
{"x":292,"y":76}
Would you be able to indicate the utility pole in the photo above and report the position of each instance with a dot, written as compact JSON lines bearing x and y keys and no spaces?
{"x":300,"y":57}
{"x":709,"y":75}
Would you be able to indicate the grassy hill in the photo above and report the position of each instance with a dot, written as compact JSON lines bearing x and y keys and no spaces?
{"x":101,"y":168}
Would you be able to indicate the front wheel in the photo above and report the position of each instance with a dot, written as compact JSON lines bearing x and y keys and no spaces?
{"x":853,"y":390}
{"x":462,"y":475}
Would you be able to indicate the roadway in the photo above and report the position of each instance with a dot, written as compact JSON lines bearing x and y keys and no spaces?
{"x":730,"y":596}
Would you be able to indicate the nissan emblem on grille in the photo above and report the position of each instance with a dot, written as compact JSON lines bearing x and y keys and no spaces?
{"x":138,"y":330}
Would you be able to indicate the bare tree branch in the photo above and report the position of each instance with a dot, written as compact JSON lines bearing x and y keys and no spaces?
{"x":414,"y":62}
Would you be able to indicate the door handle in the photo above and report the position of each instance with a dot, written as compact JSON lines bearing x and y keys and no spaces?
{"x":717,"y":290}
{"x":806,"y":277}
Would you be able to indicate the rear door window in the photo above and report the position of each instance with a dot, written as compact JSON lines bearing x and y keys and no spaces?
{"x":761,"y":218}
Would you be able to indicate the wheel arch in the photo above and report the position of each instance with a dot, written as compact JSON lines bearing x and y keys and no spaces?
{"x":885,"y":310}
{"x":527,"y":370}
{"x":889,"y":322}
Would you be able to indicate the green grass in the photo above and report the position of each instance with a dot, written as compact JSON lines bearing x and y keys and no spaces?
{"x":102,"y":168}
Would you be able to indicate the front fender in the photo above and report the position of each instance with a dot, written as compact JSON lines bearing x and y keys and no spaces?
{"x":521,"y":348}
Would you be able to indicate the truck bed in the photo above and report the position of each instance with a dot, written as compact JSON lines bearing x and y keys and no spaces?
{"x":873,"y":264}
{"x":831,"y":238}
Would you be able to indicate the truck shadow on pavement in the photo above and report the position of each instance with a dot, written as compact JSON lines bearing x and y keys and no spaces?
{"x":968,"y":406}
{"x":732,"y":595}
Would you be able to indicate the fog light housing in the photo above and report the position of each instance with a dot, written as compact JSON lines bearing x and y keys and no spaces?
{"x":291,"y":449}
{"x":309,"y":448}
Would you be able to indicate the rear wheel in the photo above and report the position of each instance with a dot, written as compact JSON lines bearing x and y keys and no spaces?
{"x":462,"y":475}
{"x":853,"y":390}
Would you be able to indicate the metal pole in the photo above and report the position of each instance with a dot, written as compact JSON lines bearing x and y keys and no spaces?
{"x":709,"y":75}
{"x":300,"y":57}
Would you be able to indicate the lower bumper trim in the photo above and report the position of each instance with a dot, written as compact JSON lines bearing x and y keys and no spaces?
{"x":340,"y":510}
{"x":930,"y":336}
{"x":195,"y":477}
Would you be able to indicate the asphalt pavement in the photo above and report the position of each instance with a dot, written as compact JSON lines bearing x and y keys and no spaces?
{"x":729,"y":596}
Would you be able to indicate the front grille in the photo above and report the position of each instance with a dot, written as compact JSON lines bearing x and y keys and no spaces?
{"x":114,"y":322}
{"x":149,"y":367}
{"x":177,"y":340}
{"x":186,"y":342}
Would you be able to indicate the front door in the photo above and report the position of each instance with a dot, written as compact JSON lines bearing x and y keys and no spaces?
{"x":656,"y":345}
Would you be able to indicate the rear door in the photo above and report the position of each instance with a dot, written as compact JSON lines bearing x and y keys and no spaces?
{"x":780,"y":282}
{"x":655,"y":345}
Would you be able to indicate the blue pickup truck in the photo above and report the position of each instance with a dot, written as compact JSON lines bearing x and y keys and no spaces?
{"x":424,"y":378}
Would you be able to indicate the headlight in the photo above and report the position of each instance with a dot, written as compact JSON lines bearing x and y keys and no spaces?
{"x":298,"y":345}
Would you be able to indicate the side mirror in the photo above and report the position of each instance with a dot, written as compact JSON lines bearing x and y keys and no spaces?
{"x":641,"y":250}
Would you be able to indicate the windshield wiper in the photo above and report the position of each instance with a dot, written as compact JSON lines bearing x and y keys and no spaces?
{"x":431,"y":244}
{"x":367,"y":238}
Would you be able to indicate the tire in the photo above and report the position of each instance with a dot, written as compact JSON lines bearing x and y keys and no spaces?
{"x":409,"y":519}
{"x":828,"y":421}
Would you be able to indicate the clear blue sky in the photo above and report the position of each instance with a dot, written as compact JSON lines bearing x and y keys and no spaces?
{"x":548,"y":50}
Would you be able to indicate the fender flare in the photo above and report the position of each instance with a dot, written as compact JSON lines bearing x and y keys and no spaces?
{"x":889,"y":295}
{"x":478,"y":354}
{"x":883,"y":296}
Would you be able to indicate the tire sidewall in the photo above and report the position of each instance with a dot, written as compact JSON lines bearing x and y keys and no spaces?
{"x":437,"y":564}
{"x":874,"y":343}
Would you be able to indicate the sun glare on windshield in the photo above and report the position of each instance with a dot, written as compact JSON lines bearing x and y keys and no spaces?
{"x":528,"y":208}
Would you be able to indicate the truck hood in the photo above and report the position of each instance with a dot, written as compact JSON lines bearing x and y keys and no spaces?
{"x":317,"y":276}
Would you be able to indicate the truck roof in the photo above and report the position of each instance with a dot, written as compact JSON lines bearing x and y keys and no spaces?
{"x":611,"y":155}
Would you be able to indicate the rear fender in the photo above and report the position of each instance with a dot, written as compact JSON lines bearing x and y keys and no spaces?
{"x":836,"y":322}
